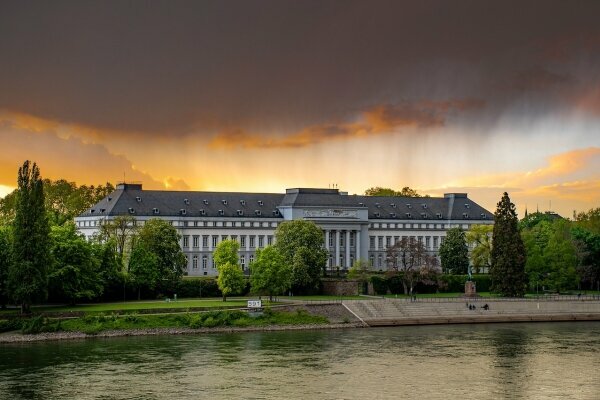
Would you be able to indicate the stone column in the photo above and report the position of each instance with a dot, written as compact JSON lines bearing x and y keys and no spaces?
{"x":347,"y":249}
{"x":327,"y":240}
{"x":337,"y":248}
{"x":247,"y":242}
{"x":357,"y":244}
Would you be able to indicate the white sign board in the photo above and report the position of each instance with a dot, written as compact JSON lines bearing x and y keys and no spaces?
{"x":254,"y":303}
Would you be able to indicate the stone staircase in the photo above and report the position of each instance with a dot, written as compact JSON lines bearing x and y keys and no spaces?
{"x":406,"y":312}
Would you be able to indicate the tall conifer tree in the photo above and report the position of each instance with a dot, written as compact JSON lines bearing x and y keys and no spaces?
{"x":508,"y":252}
{"x":28,"y":278}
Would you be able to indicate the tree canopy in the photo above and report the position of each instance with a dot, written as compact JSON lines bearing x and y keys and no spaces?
{"x":381,"y":191}
{"x":28,"y":274}
{"x":479,"y":237}
{"x":508,"y":252}
{"x":157,"y":259}
{"x":409,"y":257}
{"x":270,"y":273}
{"x":454,"y":252}
{"x":230,"y":279}
{"x":74,"y":271}
{"x":301,"y":245}
{"x":226,"y":252}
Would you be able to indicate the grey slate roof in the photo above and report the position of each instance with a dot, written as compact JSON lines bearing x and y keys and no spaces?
{"x":129,"y":197}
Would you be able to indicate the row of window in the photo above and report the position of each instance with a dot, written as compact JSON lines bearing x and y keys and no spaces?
{"x":332,"y":236}
{"x":226,"y":224}
{"x":205,"y":262}
{"x":417,"y":226}
{"x":242,"y":240}
{"x":377,"y":242}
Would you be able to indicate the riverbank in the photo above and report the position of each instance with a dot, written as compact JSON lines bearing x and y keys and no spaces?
{"x":11,"y":337}
{"x":286,"y":317}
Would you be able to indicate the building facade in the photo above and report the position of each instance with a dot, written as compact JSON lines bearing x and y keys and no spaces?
{"x":355,"y":227}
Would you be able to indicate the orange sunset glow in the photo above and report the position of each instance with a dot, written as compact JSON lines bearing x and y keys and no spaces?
{"x":441,"y":97}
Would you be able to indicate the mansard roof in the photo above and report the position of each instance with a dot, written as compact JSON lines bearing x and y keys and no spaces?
{"x":130,"y":199}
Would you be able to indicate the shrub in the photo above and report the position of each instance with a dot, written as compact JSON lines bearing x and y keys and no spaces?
{"x":7,"y":325}
{"x":33,"y":325}
{"x":379,"y":284}
{"x":198,"y":287}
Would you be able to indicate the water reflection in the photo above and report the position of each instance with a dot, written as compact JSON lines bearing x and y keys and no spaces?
{"x":435,"y":362}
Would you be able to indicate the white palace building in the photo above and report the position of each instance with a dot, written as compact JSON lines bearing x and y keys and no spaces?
{"x":355,"y":227}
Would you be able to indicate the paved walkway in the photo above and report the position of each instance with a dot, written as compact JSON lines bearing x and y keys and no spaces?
{"x":386,"y":312}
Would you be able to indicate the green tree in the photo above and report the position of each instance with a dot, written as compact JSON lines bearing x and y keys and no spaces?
{"x":159,"y":238}
{"x":119,"y":231}
{"x":560,"y":256}
{"x":5,"y":261}
{"x":590,"y":221}
{"x":508,"y":252}
{"x":479,"y":237}
{"x":144,"y":268}
{"x":454,"y":252}
{"x":270,"y":273}
{"x":588,"y":244}
{"x":74,"y":270}
{"x":230,"y":279}
{"x":361,"y":271}
{"x":226,"y":252}
{"x":110,"y":269}
{"x":381,"y":191}
{"x":27,"y":277}
{"x":301,"y":243}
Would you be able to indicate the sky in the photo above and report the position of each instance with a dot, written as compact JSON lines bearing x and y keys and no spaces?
{"x":442,"y":96}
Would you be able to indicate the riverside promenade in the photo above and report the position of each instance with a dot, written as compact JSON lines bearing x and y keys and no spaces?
{"x":430,"y":311}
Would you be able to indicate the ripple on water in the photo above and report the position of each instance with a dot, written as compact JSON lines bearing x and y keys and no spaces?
{"x":533,"y":361}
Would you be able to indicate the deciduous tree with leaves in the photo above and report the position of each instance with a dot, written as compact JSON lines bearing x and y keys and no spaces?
{"x":28,"y":273}
{"x":301,"y":245}
{"x":479,"y":237}
{"x":409,"y":257}
{"x":270,"y":273}
{"x":454,"y":252}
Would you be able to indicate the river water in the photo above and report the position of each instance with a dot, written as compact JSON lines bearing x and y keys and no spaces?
{"x":495,"y":361}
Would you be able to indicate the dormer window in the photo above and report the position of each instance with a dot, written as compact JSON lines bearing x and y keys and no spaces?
{"x":138,"y":199}
{"x":186,"y":201}
{"x":205,"y":201}
{"x":221,"y":212}
{"x":155,"y":211}
{"x":393,"y":205}
{"x":424,"y":215}
{"x":202,"y":212}
{"x":408,"y":215}
{"x":240,"y":212}
{"x":102,"y":210}
{"x":260,"y":203}
{"x":275,"y":212}
{"x":465,"y":216}
{"x":361,"y":204}
{"x":257,"y":212}
{"x":131,"y":210}
{"x":92,"y":211}
{"x":377,"y":205}
{"x":483,"y":216}
{"x":224,"y":202}
{"x":408,"y":205}
{"x":182,"y":211}
{"x":424,"y":205}
{"x":243,"y":202}
{"x":439,"y":215}
{"x":467,"y":205}
{"x":109,"y":199}
{"x":393,"y":215}
{"x":376,"y":214}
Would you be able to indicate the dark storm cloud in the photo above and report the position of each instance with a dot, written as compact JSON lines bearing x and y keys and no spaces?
{"x":179,"y":67}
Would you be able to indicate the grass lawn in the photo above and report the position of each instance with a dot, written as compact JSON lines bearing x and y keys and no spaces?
{"x":143,"y":305}
{"x":93,"y":324}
